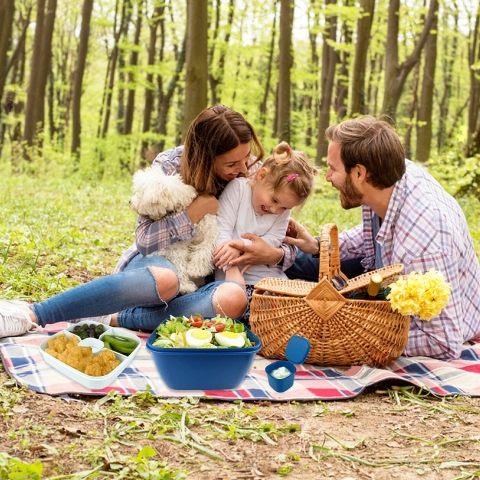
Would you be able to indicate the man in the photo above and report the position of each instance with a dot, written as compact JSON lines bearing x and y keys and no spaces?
{"x":407,"y":218}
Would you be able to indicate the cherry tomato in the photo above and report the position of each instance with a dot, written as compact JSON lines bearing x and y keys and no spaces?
{"x":196,"y":322}
{"x":219,"y":327}
{"x":210,"y":323}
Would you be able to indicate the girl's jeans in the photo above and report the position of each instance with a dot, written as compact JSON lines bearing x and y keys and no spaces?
{"x":133,"y":293}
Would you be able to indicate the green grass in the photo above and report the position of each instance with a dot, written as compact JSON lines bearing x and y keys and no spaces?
{"x":56,"y":233}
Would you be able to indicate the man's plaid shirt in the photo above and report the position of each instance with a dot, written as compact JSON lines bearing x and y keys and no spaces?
{"x":425,"y":228}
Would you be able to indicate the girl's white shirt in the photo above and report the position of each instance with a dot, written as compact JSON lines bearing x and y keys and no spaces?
{"x":237,"y":216}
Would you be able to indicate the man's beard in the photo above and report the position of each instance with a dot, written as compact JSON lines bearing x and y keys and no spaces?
{"x":350,"y":197}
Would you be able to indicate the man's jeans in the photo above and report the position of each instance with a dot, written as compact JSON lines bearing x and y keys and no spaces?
{"x":306,"y":267}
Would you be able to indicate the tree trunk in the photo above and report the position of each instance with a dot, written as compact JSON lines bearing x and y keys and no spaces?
{"x":424,"y":115}
{"x":157,"y":18}
{"x":112,"y":70}
{"x":7,"y":11}
{"x":311,"y":104}
{"x":343,"y":73}
{"x":42,"y":73}
{"x":268,"y":87}
{"x":127,"y":130}
{"x":217,"y":80}
{"x":364,"y":30}
{"x":473,"y":138}
{"x":411,"y":112}
{"x":395,"y":73}
{"x":167,"y":100}
{"x":448,"y":61}
{"x":285,"y":64}
{"x":32,"y":94}
{"x":79,"y":71}
{"x":329,"y":61}
{"x":196,"y":77}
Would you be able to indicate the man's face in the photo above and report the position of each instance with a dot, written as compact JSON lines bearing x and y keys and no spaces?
{"x":350,"y":196}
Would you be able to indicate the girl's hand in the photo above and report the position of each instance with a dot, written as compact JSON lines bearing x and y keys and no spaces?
{"x":224,"y":254}
{"x":299,"y":236}
{"x":202,"y":205}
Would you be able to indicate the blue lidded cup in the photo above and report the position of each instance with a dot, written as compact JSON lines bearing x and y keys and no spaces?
{"x":296,"y":352}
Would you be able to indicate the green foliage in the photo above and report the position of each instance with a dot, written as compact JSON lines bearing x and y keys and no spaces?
{"x":13,"y":468}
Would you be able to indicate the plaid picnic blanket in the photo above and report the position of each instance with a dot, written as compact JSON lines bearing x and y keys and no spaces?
{"x":23,"y":361}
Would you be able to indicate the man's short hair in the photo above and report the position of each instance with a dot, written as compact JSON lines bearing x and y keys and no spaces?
{"x":372,"y":143}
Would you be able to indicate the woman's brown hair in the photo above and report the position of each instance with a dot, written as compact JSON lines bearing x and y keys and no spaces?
{"x":215,"y":131}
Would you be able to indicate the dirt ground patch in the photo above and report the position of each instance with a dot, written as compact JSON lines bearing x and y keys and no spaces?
{"x":387,"y":432}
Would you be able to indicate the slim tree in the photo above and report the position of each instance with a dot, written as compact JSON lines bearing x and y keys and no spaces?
{"x":78,"y":76}
{"x":395,"y":73}
{"x":196,"y":77}
{"x":364,"y":29}
{"x":127,"y":126}
{"x":285,"y":62}
{"x":7,"y":11}
{"x":425,"y":108}
{"x":329,"y":61}
{"x":154,"y":22}
{"x":217,"y":80}
{"x":473,"y":138}
{"x":33,"y":94}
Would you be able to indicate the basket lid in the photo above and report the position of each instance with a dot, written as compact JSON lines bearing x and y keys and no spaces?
{"x":297,"y":349}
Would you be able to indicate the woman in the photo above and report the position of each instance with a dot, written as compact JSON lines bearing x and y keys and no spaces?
{"x":144,"y":290}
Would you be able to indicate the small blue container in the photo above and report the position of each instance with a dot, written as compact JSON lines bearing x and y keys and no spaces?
{"x":296,"y":352}
{"x":203,"y":368}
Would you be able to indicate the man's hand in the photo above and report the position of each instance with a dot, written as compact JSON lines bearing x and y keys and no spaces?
{"x":202,"y":205}
{"x":258,"y":252}
{"x":299,"y":236}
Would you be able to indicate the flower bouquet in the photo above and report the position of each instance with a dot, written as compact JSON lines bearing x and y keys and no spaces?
{"x":425,"y":295}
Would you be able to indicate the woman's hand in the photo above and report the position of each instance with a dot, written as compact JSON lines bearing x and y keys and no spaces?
{"x":202,"y":205}
{"x":258,"y":252}
{"x":299,"y":236}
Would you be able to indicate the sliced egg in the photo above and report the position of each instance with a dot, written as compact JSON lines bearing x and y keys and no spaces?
{"x":196,"y":337}
{"x":230,"y":339}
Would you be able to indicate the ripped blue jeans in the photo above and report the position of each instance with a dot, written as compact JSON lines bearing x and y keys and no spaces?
{"x":132,"y":293}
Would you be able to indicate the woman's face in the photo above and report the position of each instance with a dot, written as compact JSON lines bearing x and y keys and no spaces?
{"x":229,"y":165}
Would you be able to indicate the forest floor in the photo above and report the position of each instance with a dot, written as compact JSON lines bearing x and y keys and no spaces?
{"x":387,"y":432}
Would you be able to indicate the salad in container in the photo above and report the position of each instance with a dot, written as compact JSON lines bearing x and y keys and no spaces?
{"x":197,"y":353}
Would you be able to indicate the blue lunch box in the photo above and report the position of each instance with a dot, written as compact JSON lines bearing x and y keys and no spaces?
{"x":203,"y":368}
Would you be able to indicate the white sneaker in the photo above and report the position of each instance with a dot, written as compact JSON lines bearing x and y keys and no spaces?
{"x":13,"y":320}
{"x":105,"y":319}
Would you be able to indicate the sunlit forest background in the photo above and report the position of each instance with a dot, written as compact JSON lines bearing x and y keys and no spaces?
{"x":99,"y":87}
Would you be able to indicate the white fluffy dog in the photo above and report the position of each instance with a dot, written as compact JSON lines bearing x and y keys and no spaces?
{"x":156,"y":195}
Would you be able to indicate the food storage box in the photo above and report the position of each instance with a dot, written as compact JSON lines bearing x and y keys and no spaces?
{"x":97,"y":346}
{"x":296,"y":352}
{"x":203,"y":368}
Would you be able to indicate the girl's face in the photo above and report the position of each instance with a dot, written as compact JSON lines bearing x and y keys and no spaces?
{"x":229,"y":165}
{"x":266,"y":200}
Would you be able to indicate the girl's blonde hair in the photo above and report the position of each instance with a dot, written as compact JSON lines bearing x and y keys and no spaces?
{"x":287,"y":168}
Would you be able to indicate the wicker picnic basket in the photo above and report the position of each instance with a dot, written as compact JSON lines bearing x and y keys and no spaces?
{"x":341,"y":330}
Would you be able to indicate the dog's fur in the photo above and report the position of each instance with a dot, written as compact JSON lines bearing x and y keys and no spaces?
{"x":156,"y":195}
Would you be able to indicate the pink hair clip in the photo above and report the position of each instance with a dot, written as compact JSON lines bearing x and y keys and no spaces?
{"x":292,"y":176}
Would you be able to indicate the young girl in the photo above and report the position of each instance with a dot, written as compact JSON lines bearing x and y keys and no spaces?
{"x":218,"y":148}
{"x":261,"y":205}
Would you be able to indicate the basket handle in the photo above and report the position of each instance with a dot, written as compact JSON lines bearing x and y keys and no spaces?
{"x":329,"y":265}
